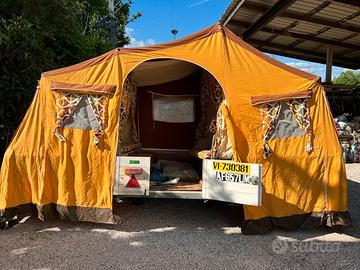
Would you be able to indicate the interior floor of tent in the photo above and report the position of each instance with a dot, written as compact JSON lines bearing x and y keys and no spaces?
{"x":165,"y":115}
{"x":173,"y":163}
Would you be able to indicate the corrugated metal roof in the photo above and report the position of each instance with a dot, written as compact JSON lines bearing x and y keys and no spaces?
{"x":301,"y":28}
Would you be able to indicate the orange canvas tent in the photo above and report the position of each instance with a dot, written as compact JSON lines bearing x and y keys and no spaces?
{"x":69,"y":173}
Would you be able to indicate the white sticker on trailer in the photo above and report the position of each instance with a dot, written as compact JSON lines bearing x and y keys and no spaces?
{"x":231,"y":181}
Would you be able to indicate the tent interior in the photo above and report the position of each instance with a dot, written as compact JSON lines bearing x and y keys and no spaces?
{"x":168,"y":111}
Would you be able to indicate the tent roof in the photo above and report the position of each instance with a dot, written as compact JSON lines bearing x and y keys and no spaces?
{"x":198,"y":36}
{"x":207,"y":32}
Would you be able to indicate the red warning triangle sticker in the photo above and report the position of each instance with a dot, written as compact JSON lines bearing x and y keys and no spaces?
{"x":133,"y":182}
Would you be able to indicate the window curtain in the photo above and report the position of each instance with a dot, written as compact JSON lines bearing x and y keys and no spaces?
{"x":270,"y":113}
{"x":98,"y":106}
{"x":300,"y":110}
{"x":66,"y":104}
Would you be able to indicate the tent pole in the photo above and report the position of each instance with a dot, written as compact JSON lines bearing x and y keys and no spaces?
{"x":112,"y":24}
{"x":329,"y":60}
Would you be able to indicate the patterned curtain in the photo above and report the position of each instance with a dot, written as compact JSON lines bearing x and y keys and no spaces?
{"x":221,"y":147}
{"x":270,"y":113}
{"x":127,"y":107}
{"x":98,"y":106}
{"x":300,"y":110}
{"x":66,"y":104}
{"x":211,"y":95}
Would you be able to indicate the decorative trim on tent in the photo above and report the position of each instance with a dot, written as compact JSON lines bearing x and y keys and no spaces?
{"x":258,"y":100}
{"x":304,"y":221}
{"x":130,"y":148}
{"x":83,"y":88}
{"x":55,"y":211}
{"x":210,"y":93}
{"x":66,"y":104}
{"x":301,"y":112}
{"x":82,"y":65}
{"x":270,"y":113}
{"x":222,"y":147}
{"x":127,"y":107}
{"x":98,"y":106}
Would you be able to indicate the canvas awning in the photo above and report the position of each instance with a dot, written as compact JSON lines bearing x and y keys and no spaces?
{"x":162,"y":71}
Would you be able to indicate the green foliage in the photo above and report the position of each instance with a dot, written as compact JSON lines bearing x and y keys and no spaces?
{"x":40,"y":35}
{"x":22,"y":57}
{"x":348,"y":77}
{"x":122,"y":11}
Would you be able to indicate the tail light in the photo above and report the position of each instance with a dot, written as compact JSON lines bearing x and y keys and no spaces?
{"x":133,"y":182}
{"x":133,"y":170}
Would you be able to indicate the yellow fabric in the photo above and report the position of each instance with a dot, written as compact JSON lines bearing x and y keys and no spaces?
{"x":39,"y":169}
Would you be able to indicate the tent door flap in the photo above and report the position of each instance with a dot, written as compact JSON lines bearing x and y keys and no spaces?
{"x":232,"y":182}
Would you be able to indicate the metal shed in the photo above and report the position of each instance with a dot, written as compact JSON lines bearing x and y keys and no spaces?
{"x":320,"y":31}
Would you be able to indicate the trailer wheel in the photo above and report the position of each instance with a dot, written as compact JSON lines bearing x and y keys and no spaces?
{"x":8,"y":224}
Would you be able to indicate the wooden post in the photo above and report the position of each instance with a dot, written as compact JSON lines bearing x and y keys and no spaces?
{"x":329,"y":60}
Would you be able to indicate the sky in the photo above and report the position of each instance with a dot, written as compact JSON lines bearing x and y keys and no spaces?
{"x":159,"y":17}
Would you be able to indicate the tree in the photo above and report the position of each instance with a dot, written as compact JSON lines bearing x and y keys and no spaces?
{"x":40,"y":35}
{"x":348,"y":77}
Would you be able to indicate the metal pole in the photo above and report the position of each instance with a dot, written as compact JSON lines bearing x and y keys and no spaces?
{"x":112,"y":24}
{"x":329,"y":60}
{"x":238,"y":5}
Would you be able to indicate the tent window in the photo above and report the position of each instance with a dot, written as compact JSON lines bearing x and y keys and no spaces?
{"x":86,"y":112}
{"x":173,"y":109}
{"x":285,"y":120}
{"x":83,"y":117}
{"x":286,"y":125}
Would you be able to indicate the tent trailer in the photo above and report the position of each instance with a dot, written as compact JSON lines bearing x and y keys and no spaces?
{"x":169,"y":109}
{"x":203,"y":117}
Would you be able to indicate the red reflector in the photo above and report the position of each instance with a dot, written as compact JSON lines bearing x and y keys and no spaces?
{"x":132,"y":183}
{"x":133,"y":171}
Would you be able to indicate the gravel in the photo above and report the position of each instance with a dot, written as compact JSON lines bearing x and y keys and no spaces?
{"x":175,"y":234}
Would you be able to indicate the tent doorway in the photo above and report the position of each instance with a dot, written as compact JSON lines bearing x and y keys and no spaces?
{"x":168,"y":112}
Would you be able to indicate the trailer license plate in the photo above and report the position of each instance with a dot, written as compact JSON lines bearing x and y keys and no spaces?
{"x":238,"y":168}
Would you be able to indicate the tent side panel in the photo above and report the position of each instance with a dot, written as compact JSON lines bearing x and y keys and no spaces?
{"x":301,"y":189}
{"x":71,"y":179}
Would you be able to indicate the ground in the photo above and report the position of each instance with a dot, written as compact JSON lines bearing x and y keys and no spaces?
{"x":170,"y":234}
